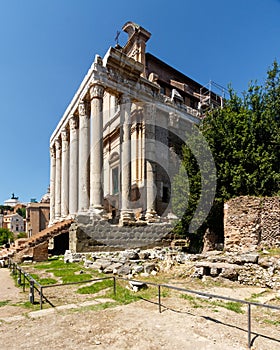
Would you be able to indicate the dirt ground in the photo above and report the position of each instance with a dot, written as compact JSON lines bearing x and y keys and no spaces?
{"x":135,"y":326}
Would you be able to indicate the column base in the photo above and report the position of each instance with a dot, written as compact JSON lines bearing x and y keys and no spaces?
{"x":151,"y":216}
{"x":127,"y":218}
{"x":97,"y":212}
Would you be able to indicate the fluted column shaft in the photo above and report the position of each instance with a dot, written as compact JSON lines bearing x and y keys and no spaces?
{"x":64,"y":173}
{"x":96,"y":152}
{"x":84,"y":149}
{"x":125,"y":157}
{"x":57,"y":178}
{"x":150,"y":155}
{"x":52,"y":184}
{"x":73,"y":163}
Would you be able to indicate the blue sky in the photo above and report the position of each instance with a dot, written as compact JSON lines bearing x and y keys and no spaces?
{"x":47,"y":47}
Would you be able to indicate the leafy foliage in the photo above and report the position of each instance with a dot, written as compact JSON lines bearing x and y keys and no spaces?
{"x":22,"y":212}
{"x":22,"y":235}
{"x":244,"y":139}
{"x":5,"y":236}
{"x":5,"y":208}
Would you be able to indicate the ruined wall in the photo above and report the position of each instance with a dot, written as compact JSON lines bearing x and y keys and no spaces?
{"x":37,"y":253}
{"x":89,"y":235}
{"x":251,"y":223}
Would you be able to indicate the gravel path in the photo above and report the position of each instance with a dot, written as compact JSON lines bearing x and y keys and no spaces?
{"x":9,"y":292}
{"x":137,"y":326}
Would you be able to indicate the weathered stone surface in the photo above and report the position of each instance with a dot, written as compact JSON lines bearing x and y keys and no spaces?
{"x":148,"y":268}
{"x":248,"y":269}
{"x":138,"y":268}
{"x":130,"y":254}
{"x":124,"y":270}
{"x":251,"y":223}
{"x":209,"y":241}
{"x":230,"y":272}
{"x":245,"y":258}
{"x":113,"y":268}
{"x":88,"y":235}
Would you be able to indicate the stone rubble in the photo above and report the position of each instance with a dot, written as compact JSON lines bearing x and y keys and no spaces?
{"x":253,"y":268}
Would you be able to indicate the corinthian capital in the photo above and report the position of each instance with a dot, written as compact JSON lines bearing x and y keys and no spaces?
{"x":52,"y":151}
{"x":58,"y":145}
{"x":73,"y":123}
{"x":82,"y":109}
{"x":96,"y":91}
{"x":64,"y":134}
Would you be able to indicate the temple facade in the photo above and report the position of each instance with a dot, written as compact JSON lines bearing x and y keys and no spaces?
{"x":114,"y":151}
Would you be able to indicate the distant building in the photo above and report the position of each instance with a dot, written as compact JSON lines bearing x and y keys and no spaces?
{"x":14,"y":223}
{"x":12,"y":202}
{"x":1,"y":220}
{"x":37,"y":215}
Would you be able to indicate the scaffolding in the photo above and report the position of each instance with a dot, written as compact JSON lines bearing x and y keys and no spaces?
{"x":212,"y":95}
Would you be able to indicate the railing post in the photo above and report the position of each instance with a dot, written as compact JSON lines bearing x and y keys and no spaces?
{"x":23,"y":286}
{"x":159,"y":299}
{"x":19,"y":278}
{"x":31,"y":292}
{"x":115,"y":287}
{"x":41,"y":297}
{"x":249,"y":326}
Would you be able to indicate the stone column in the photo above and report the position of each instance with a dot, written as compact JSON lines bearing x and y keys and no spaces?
{"x":52,"y":184}
{"x":84,"y":143}
{"x":57,"y":179}
{"x":150,"y":157}
{"x":126,"y":212}
{"x":96,"y":152}
{"x":65,"y":174}
{"x":73,"y":173}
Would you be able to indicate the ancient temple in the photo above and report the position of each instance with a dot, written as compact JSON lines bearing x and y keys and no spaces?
{"x":114,"y":151}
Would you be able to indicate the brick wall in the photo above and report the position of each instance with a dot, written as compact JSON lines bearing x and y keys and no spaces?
{"x":251,"y":223}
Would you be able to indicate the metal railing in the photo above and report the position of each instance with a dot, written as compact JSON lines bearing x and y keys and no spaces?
{"x":34,"y":285}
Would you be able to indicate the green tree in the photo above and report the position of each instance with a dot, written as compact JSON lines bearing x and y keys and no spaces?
{"x":22,"y":235}
{"x":244,"y":139}
{"x":22,"y":212}
{"x":6,"y":236}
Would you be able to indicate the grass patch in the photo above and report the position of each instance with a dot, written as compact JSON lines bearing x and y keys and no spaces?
{"x":125,"y":296}
{"x":271,"y":322}
{"x":197,"y":302}
{"x":254,"y":297}
{"x":52,"y":264}
{"x":98,"y":307}
{"x":192,"y":300}
{"x":76,"y":278}
{"x":95,"y":287}
{"x":43,"y":281}
{"x":62,"y":272}
{"x":4,"y":302}
{"x":232,"y":306}
{"x":271,"y":252}
{"x":47,"y":281}
{"x":28,"y":305}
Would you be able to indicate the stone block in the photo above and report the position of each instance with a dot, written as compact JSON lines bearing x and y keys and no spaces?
{"x":124,"y":270}
{"x":130,"y":255}
{"x":149,"y":267}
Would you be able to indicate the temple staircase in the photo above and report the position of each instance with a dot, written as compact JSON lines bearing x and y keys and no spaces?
{"x":35,"y":247}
